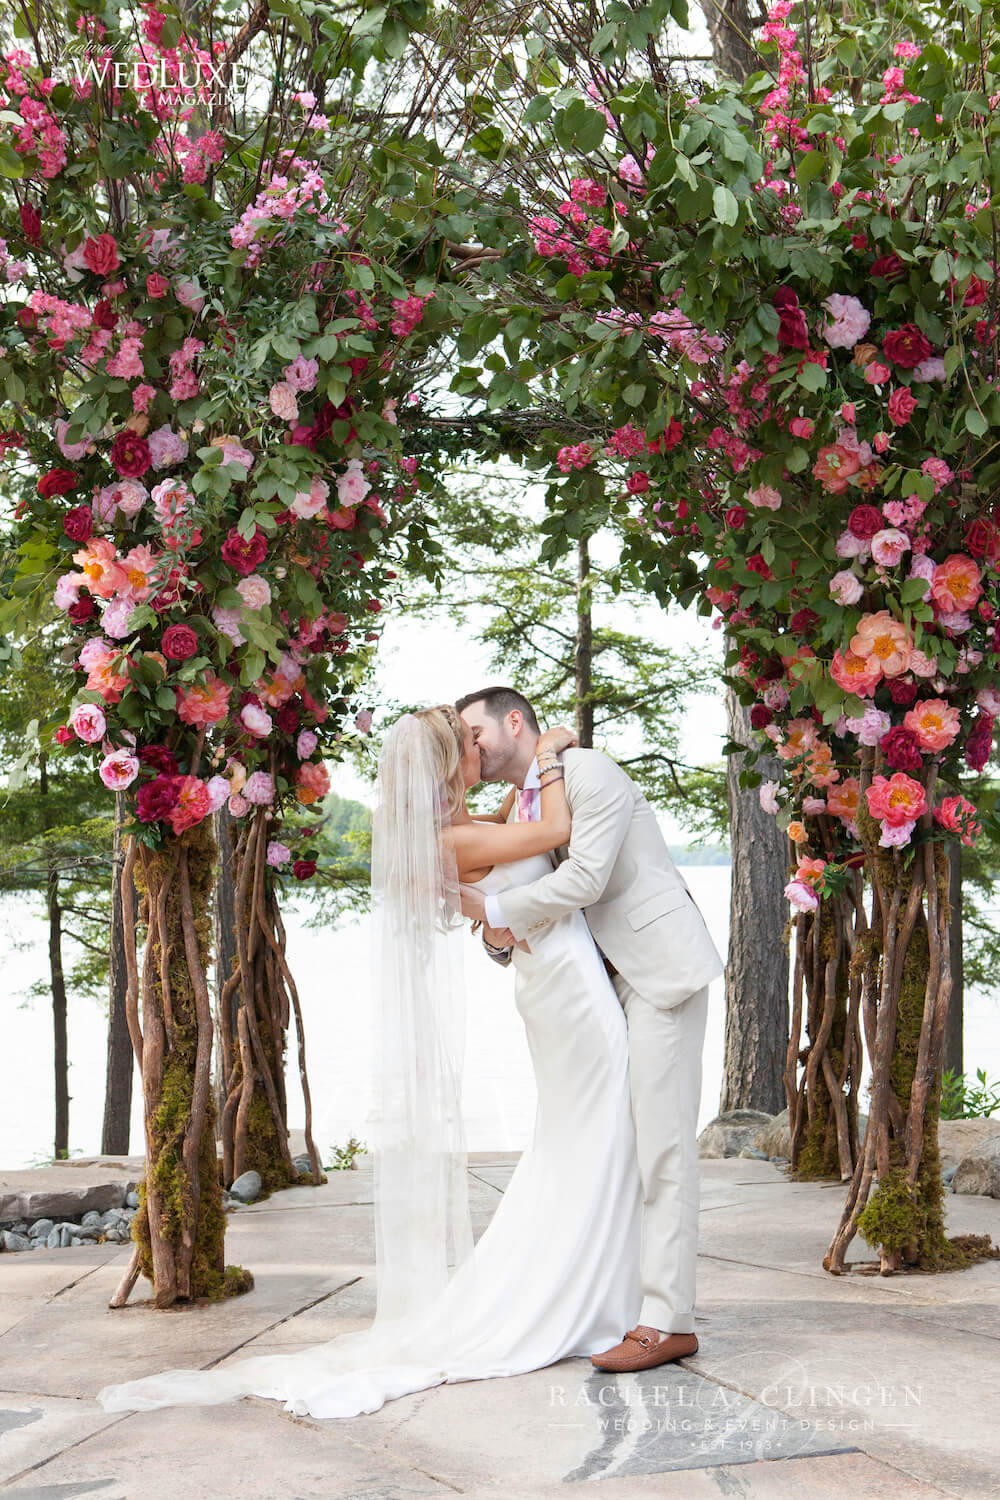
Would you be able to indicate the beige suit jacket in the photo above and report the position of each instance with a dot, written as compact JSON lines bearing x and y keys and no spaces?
{"x":617,"y":869}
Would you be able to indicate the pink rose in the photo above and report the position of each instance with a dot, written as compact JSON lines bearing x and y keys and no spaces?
{"x":846,"y":587}
{"x":306,"y":744}
{"x":119,"y":770}
{"x":765,"y":497}
{"x":801,"y":427}
{"x":259,"y":789}
{"x":888,"y":546}
{"x":255,"y":721}
{"x":849,"y":321}
{"x":876,"y":373}
{"x":363,"y":720}
{"x":255,"y":591}
{"x":801,"y":896}
{"x":88,"y":722}
{"x":902,"y":405}
{"x":768,"y":800}
{"x":278,"y":854}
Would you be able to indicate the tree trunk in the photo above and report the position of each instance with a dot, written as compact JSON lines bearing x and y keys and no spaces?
{"x":118,"y":1086}
{"x":584,"y":650}
{"x":732,"y":37}
{"x":757,"y":967}
{"x":57,"y":977}
{"x":953,"y":1037}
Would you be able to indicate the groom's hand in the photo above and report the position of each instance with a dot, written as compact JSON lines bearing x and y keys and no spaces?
{"x":473,"y":903}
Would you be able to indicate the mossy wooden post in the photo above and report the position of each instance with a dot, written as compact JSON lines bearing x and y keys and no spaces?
{"x":906,"y":985}
{"x":255,"y":1006}
{"x":823,"y":1101}
{"x":179,"y":1230}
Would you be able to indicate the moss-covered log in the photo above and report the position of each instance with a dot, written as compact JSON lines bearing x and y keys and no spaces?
{"x":179,"y":1230}
{"x":256,"y":1004}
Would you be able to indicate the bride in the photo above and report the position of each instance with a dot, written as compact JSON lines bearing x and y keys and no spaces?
{"x":556,"y":1272}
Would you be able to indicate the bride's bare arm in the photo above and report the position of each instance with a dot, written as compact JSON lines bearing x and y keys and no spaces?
{"x":479,"y":844}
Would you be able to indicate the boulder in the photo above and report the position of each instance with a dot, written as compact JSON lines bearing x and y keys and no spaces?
{"x":40,"y":1229}
{"x":728,"y":1133}
{"x":15,"y":1241}
{"x":774,"y":1139}
{"x":247,"y":1187}
{"x":979,"y":1170}
{"x":956,"y":1138}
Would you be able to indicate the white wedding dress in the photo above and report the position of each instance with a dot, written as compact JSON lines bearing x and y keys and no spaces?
{"x":556,"y":1272}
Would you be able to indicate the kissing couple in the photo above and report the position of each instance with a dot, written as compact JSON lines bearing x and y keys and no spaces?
{"x":591,"y":1251}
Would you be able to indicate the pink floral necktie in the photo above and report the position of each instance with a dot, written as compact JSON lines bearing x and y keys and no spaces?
{"x":527,"y":805}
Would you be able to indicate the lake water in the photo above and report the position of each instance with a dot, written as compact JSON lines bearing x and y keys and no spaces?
{"x":331,"y":969}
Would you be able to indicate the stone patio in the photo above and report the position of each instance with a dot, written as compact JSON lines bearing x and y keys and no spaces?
{"x":805,"y":1386}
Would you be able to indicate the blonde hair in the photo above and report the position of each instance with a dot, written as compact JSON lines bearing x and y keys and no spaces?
{"x":447,"y":740}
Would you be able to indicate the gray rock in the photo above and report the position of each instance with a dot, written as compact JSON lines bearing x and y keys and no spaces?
{"x":55,"y":1239}
{"x":302,"y":1164}
{"x":40,"y":1229}
{"x":728,"y":1133}
{"x":13,"y":1240}
{"x":59,"y":1201}
{"x":774,"y":1138}
{"x":246,"y":1188}
{"x":91,"y":1217}
{"x":64,"y":1236}
{"x":132,"y":1199}
{"x":979,"y":1171}
{"x":754,"y":1152}
{"x":947,"y":1175}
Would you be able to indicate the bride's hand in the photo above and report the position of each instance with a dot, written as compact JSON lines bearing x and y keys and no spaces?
{"x":557,"y":739}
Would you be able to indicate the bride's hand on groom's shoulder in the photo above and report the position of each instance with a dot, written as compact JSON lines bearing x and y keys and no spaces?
{"x":557,"y":739}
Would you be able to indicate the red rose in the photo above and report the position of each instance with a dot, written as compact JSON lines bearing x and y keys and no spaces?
{"x":979,"y":537}
{"x":906,"y":347}
{"x":179,"y":642}
{"x":902,"y":405}
{"x":64,"y":735}
{"x":242,"y":553}
{"x":159,"y":757}
{"x":81,"y":611}
{"x":31,"y":224}
{"x":78,"y":523}
{"x":979,"y":742}
{"x":901,"y":749}
{"x":667,"y":439}
{"x":864,"y":521}
{"x":130,"y":454}
{"x":303,"y":868}
{"x":105,"y":315}
{"x":975,"y":293}
{"x":57,"y":482}
{"x":803,"y":621}
{"x":756,"y":564}
{"x":902,"y":692}
{"x":287,"y":718}
{"x":736,"y":518}
{"x":792,"y":328}
{"x":157,"y":284}
{"x":760,"y":716}
{"x":27,"y":319}
{"x":155,"y":799}
{"x":373,"y":607}
{"x":638,"y":483}
{"x":888,"y":267}
{"x":101,"y":254}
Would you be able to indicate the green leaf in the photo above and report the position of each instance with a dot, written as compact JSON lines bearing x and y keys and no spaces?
{"x":724,"y":205}
{"x":975,"y":422}
{"x":812,"y":377}
{"x":11,"y":164}
{"x":538,"y":109}
{"x":809,"y":168}
{"x":913,"y":589}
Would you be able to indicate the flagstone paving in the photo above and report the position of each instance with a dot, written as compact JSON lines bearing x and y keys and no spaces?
{"x":804,"y":1386}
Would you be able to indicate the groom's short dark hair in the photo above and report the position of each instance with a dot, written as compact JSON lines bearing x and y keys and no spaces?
{"x":499,"y":702}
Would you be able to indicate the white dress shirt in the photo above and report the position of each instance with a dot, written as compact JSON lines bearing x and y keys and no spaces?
{"x":494,"y":914}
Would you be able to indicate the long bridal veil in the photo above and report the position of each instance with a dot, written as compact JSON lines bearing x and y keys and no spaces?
{"x":423,"y":1229}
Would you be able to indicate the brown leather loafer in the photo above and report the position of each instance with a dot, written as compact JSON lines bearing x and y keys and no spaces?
{"x":639,"y":1350}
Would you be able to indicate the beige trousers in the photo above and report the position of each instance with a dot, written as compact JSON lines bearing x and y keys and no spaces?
{"x":665,"y":1046}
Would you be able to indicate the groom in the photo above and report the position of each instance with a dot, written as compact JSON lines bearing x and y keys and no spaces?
{"x":618,"y":871}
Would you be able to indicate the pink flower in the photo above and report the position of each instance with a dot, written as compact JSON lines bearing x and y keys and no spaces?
{"x":278,"y":854}
{"x":897,"y":799}
{"x":189,"y":295}
{"x":281,"y":398}
{"x":801,"y":427}
{"x":218,"y":791}
{"x":848,"y":412}
{"x":846,"y":587}
{"x":203,"y":704}
{"x":72,"y":451}
{"x":228,"y":622}
{"x":801,"y":895}
{"x":958,"y":815}
{"x":872,"y":725}
{"x":988,"y":699}
{"x":897,"y":834}
{"x":306,"y":744}
{"x":934,"y":722}
{"x":256,"y":721}
{"x":310,"y":502}
{"x":302,"y":373}
{"x":259,"y":789}
{"x":352,"y":486}
{"x":888,"y":547}
{"x":192,"y":804}
{"x":939,"y":472}
{"x":765,"y":497}
{"x":166,"y":447}
{"x":768,"y":799}
{"x":880,"y":442}
{"x":88,"y":723}
{"x":902,"y":405}
{"x":930,"y":369}
{"x":238,"y":805}
{"x":119,"y":770}
{"x":255,"y":591}
{"x":849,"y":321}
{"x":877,"y":373}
